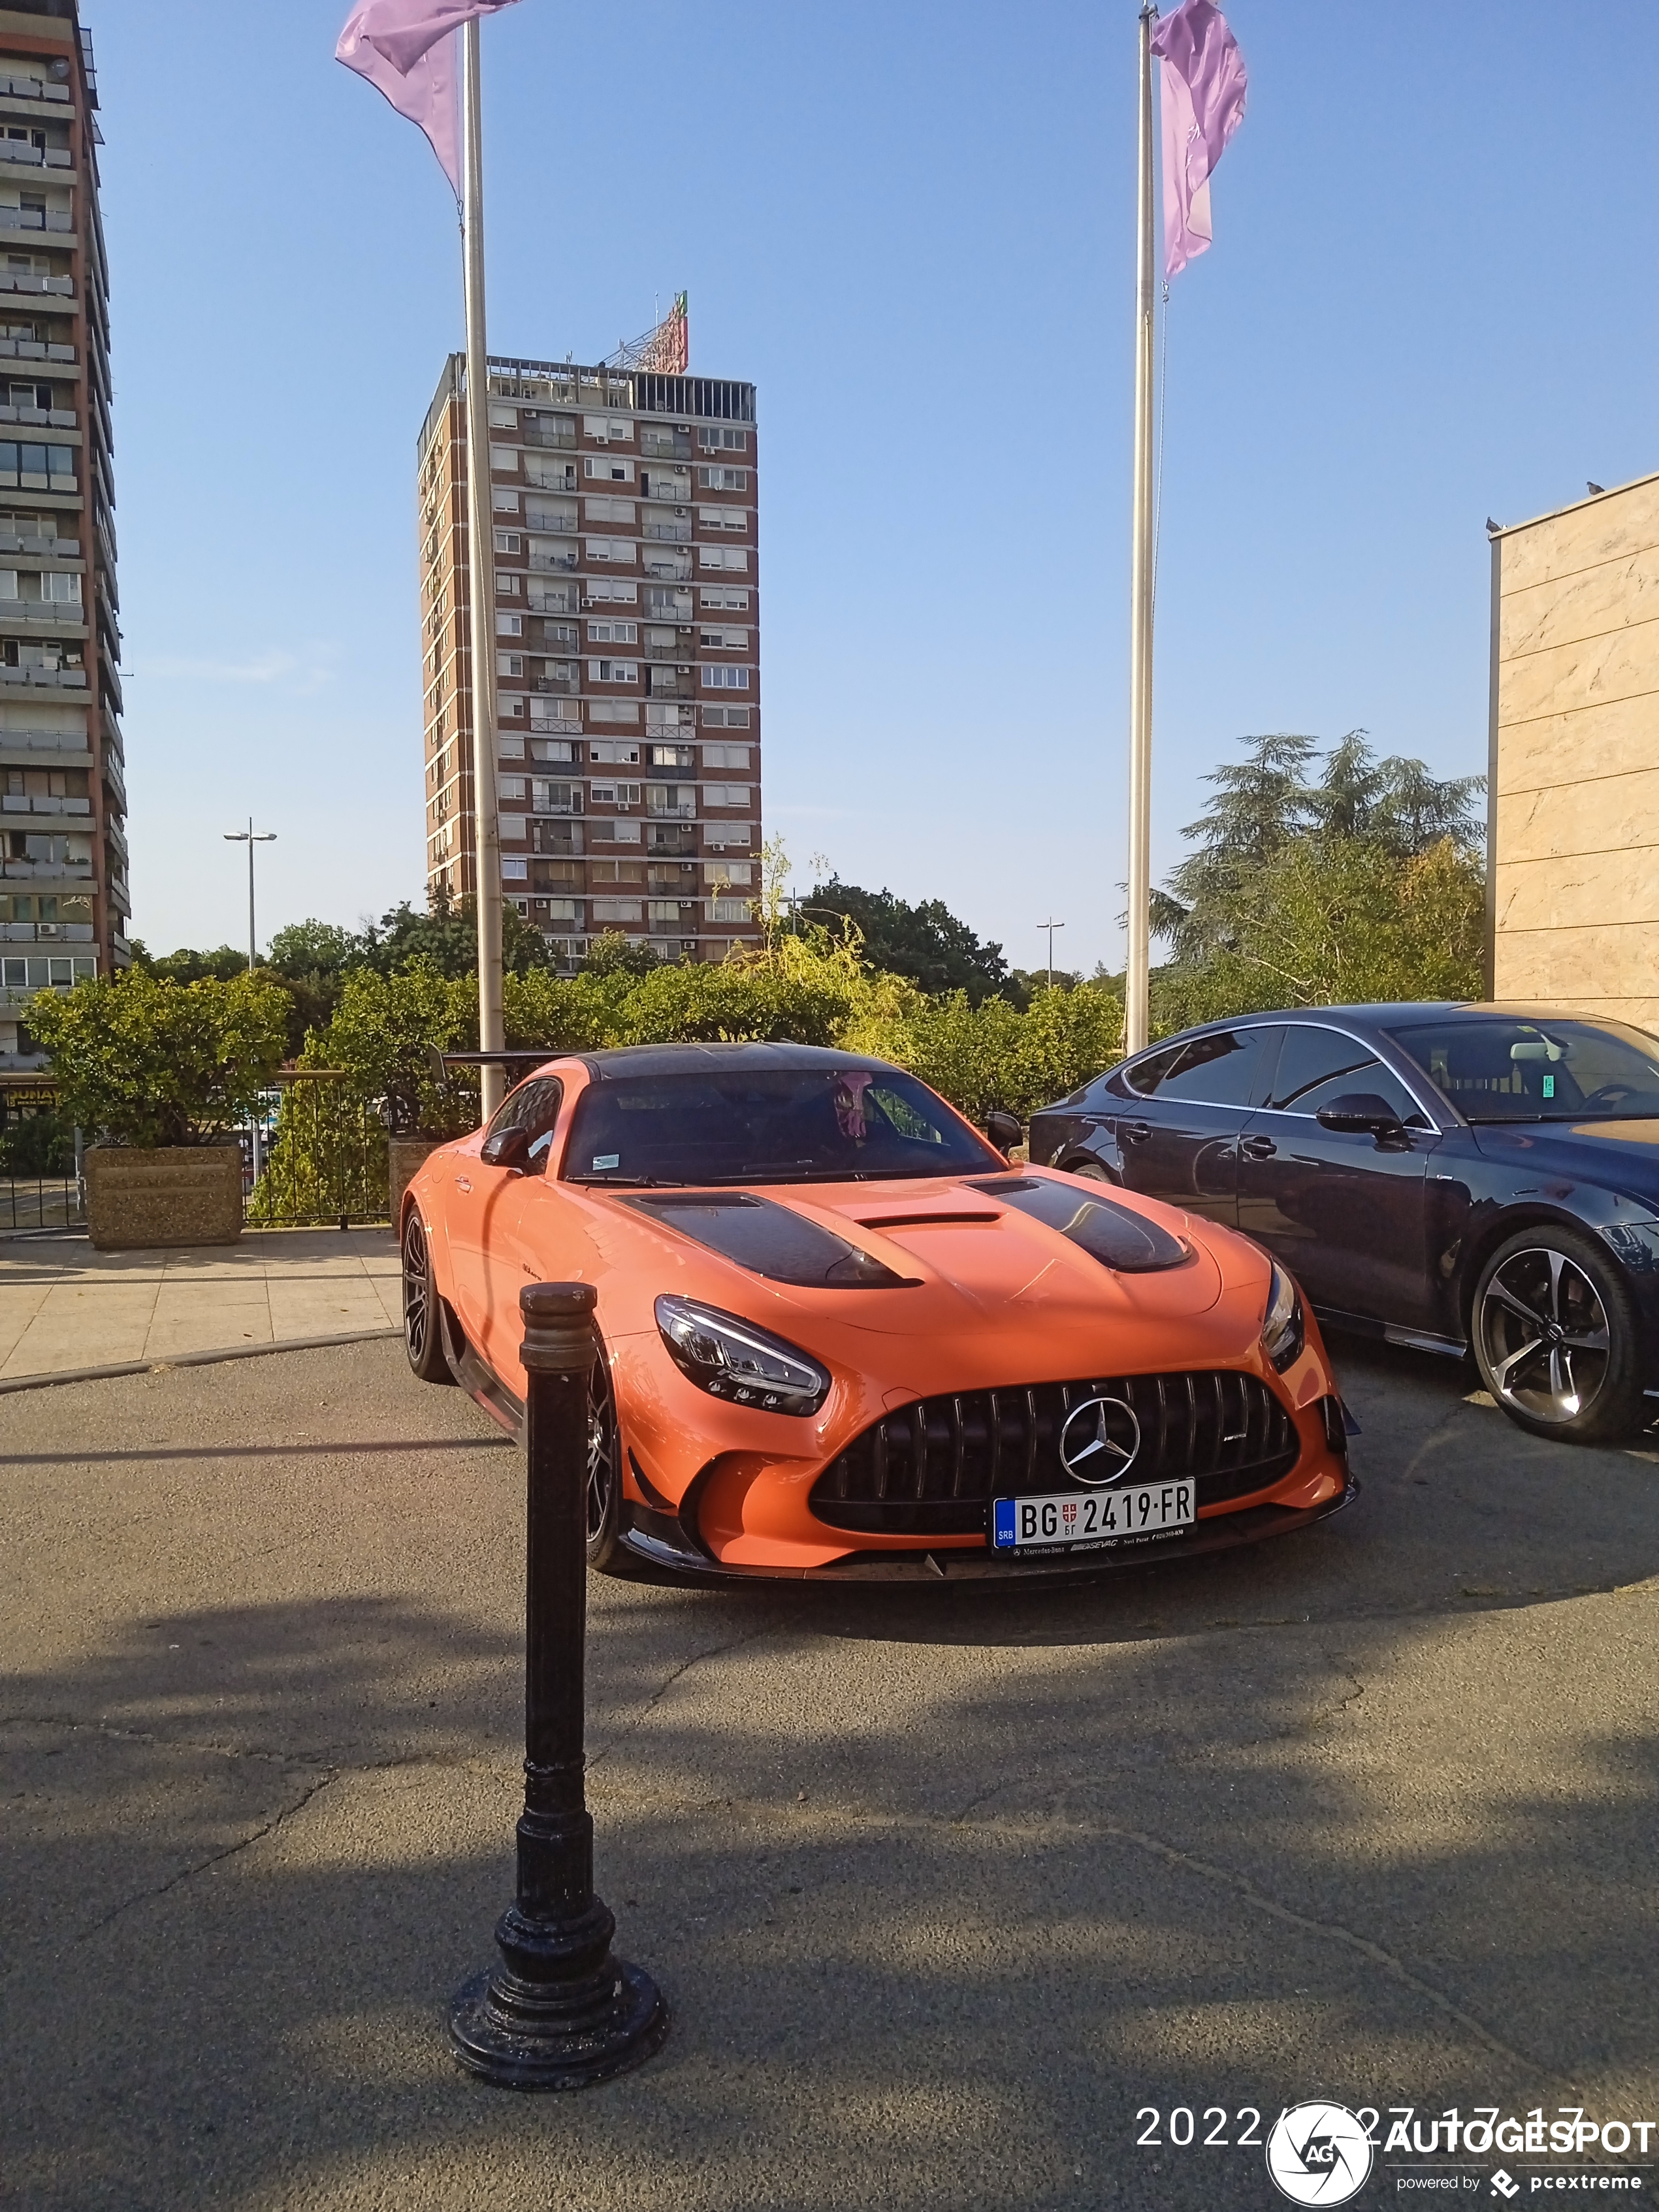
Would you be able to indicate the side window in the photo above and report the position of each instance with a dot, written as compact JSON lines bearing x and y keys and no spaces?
{"x":1373,"y":1080}
{"x":533,"y":1106}
{"x":1143,"y":1077}
{"x":1310,"y":1058}
{"x":1217,"y":1069}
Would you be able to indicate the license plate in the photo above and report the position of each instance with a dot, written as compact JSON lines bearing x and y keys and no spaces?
{"x":1104,"y":1517}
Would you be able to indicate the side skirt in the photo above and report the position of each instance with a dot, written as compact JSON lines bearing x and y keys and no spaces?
{"x":476,"y":1380}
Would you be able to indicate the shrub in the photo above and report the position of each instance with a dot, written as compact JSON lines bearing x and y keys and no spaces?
{"x":145,"y":1061}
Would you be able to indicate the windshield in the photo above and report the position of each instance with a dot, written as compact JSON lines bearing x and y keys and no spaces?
{"x":1501,"y":1069}
{"x":788,"y":1125}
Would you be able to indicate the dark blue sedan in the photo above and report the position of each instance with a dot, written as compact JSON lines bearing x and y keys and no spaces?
{"x":1451,"y":1177}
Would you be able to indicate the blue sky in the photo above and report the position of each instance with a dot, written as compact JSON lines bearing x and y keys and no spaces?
{"x":1431,"y":297}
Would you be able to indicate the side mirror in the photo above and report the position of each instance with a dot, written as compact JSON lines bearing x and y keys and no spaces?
{"x":508,"y":1148}
{"x":1004,"y":1130}
{"x":1361,"y":1114}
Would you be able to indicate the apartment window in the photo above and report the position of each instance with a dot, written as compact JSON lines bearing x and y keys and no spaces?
{"x":728,"y":909}
{"x":613,"y":872}
{"x":612,"y":633}
{"x":725,"y":718}
{"x":615,"y":909}
{"x":726,"y":757}
{"x":723,"y":518}
{"x":611,"y":548}
{"x":734,"y":559}
{"x":38,"y":467}
{"x":509,"y":540}
{"x":715,"y":438}
{"x":509,"y":664}
{"x":725,"y":794}
{"x":663,"y":909}
{"x":716,"y":677}
{"x":561,"y":634}
{"x":672,"y":756}
{"x":504,"y":418}
{"x":613,"y":710}
{"x":727,"y":641}
{"x":724,"y":600}
{"x":548,"y":797}
{"x":615,"y":794}
{"x":611,"y":510}
{"x":508,"y":584}
{"x":509,"y":787}
{"x":722,"y":479}
{"x":555,"y":751}
{"x":510,"y":744}
{"x":504,"y":457}
{"x":722,"y":875}
{"x":610,"y":591}
{"x":608,"y":429}
{"x":508,"y":625}
{"x":514,"y":872}
{"x":600,"y":468}
{"x":503,"y":501}
{"x":617,"y":752}
{"x":613,"y":672}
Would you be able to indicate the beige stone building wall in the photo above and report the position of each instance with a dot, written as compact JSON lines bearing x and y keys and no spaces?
{"x":1575,"y":756}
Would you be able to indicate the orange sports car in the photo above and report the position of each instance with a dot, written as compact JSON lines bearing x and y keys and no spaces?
{"x":842,"y":1338}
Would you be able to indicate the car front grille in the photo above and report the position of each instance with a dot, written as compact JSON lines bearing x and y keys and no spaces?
{"x":932,"y":1469}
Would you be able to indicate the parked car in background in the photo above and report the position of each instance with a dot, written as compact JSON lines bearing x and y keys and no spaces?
{"x":1452,"y":1177}
{"x":840,"y":1337}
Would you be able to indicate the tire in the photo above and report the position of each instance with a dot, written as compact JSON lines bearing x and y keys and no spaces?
{"x":604,"y":1469}
{"x":1090,"y":1171}
{"x":423,"y":1340}
{"x":1557,"y":1339}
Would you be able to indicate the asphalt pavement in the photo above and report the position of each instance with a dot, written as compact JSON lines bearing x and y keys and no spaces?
{"x":956,"y":1893}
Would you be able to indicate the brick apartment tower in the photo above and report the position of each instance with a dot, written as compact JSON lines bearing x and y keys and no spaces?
{"x":63,"y":898}
{"x":627,"y":621}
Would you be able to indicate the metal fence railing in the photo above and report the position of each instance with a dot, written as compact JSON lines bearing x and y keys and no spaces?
{"x":40,"y":1203}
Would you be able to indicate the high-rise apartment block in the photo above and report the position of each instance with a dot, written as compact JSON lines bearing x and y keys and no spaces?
{"x":63,"y":898}
{"x":627,"y":627}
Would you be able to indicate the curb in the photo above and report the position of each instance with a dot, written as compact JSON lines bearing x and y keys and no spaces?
{"x":192,"y":1359}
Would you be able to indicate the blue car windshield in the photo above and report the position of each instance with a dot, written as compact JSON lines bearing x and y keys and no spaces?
{"x":780,"y":1125}
{"x":1494,"y":1068}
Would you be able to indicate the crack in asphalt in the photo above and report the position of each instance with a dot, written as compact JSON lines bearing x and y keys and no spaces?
{"x":214,"y":1858}
{"x":695,"y":1659}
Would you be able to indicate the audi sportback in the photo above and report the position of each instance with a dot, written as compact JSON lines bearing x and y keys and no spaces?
{"x":1457,"y":1178}
{"x":842,"y":1337}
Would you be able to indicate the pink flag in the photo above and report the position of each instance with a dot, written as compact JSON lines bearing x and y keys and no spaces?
{"x":1203,"y":90}
{"x":406,"y":49}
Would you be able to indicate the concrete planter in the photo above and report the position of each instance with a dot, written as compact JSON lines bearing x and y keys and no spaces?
{"x":404,"y":1155}
{"x":176,"y":1194}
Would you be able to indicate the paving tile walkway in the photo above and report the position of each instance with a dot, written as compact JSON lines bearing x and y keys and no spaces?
{"x":64,"y":1307}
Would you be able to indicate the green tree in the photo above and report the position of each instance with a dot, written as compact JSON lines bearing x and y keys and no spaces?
{"x":445,"y":937}
{"x":188,"y":966}
{"x":146,"y":1061}
{"x":315,"y":948}
{"x":383,"y":1035}
{"x":925,"y":943}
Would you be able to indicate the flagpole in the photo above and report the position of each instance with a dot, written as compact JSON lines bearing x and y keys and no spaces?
{"x":1136,"y":965}
{"x":486,"y":855}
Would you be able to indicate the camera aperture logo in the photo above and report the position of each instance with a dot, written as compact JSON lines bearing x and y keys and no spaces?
{"x":1319,"y":2155}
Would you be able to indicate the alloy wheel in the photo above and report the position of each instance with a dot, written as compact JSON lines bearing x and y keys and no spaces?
{"x":1545,"y":1335}
{"x":603,"y":1455}
{"x":418,"y":1292}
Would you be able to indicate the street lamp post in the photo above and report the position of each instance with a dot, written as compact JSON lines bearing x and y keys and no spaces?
{"x":1051,"y":927}
{"x":246,"y":837}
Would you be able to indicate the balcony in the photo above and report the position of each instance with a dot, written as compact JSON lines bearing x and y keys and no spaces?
{"x":55,"y":548}
{"x":61,"y":288}
{"x":54,"y":679}
{"x":671,"y":810}
{"x":14,"y":151}
{"x":665,"y":445}
{"x":555,"y":561}
{"x":547,"y":435}
{"x":565,"y":685}
{"x":559,"y":601}
{"x":666,"y":566}
{"x":53,"y":219}
{"x":669,"y":533}
{"x":47,"y":418}
{"x":55,"y":745}
{"x":680,"y":650}
{"x":35,"y":350}
{"x":42,"y":614}
{"x":556,"y":838}
{"x":13,"y":802}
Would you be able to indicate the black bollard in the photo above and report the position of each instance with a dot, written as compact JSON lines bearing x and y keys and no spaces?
{"x":559,"y":2012}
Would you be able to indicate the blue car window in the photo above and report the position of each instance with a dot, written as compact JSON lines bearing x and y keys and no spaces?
{"x":1499,"y":1067}
{"x":1216,"y":1070}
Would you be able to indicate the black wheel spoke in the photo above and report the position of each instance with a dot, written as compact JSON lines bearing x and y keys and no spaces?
{"x":1546,"y":1339}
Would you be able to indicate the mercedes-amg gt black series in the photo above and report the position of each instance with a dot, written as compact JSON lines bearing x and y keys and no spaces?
{"x":1457,"y":1178}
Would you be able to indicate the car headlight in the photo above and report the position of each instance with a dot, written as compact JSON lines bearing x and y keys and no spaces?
{"x":1284,"y":1331}
{"x":732,"y":1360}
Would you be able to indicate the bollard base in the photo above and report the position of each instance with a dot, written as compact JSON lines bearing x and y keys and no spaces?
{"x":530,"y":2035}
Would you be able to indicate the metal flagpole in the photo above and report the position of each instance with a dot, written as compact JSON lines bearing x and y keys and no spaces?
{"x":246,"y":837}
{"x":1135,"y":982}
{"x":486,"y":823}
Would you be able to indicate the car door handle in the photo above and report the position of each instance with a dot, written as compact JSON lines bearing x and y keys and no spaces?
{"x":1134,"y":1133}
{"x":1256,"y":1148}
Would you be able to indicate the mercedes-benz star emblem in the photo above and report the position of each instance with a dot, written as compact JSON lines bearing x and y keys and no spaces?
{"x":1099,"y":1440}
